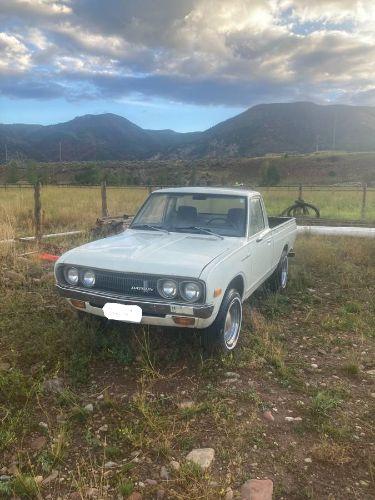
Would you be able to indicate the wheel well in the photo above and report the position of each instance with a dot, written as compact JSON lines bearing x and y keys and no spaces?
{"x":238,"y":284}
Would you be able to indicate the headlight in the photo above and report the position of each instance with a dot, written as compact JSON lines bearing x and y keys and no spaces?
{"x":72,"y":275}
{"x":88,"y":279}
{"x":191,"y":291}
{"x":167,"y":288}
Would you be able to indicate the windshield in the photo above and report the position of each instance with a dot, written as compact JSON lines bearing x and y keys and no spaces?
{"x":223,"y":215}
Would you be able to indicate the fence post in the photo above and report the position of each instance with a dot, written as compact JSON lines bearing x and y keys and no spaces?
{"x":364,"y":196}
{"x":104,"y":199}
{"x":38,"y":211}
{"x":300,"y":192}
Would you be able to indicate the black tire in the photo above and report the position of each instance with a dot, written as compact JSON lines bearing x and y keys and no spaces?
{"x":217,"y":337}
{"x":279,"y":279}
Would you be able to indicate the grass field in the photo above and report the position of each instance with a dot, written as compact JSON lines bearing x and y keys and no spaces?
{"x":307,"y":354}
{"x":78,"y":208}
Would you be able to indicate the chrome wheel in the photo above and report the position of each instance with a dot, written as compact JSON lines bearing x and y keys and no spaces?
{"x":284,"y":271}
{"x":232,"y":325}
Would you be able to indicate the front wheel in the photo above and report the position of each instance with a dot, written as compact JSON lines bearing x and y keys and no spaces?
{"x":224,"y":332}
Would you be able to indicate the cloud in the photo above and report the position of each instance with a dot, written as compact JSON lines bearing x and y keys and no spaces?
{"x":232,"y":52}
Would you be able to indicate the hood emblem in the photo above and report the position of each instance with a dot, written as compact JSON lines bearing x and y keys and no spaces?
{"x":145,"y":288}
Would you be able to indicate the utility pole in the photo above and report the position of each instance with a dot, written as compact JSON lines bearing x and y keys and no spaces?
{"x":60,"y":151}
{"x":334,"y":132}
{"x":317,"y":143}
{"x":6,"y":154}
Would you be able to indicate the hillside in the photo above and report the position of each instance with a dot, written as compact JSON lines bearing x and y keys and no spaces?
{"x":300,"y":127}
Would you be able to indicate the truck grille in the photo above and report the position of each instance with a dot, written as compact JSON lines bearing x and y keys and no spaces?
{"x":136,"y":285}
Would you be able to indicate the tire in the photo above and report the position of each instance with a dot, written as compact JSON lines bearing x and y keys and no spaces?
{"x":279,"y":279}
{"x":222,"y":336}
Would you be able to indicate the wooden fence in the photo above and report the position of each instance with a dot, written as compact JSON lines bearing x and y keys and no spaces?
{"x":298,"y":189}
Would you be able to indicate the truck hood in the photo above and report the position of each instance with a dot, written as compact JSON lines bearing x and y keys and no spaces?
{"x":150,"y":252}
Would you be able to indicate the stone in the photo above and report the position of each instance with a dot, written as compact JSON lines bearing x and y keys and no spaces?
{"x":229,"y":494}
{"x":371,"y":373}
{"x":51,"y":477}
{"x":267,"y":415}
{"x":308,"y":460}
{"x":164,"y":474}
{"x":4,"y":366}
{"x":92,"y":492}
{"x":38,"y":479}
{"x":110,"y":465}
{"x":89,"y":408}
{"x":38,"y":443}
{"x":232,"y":375}
{"x":175,"y":465}
{"x":257,"y":489}
{"x":4,"y":478}
{"x":43,"y":425}
{"x":54,"y":385}
{"x":151,"y":482}
{"x":185,"y":405}
{"x":289,"y":419}
{"x":103,"y":428}
{"x":314,"y":365}
{"x":14,"y":276}
{"x":13,"y":469}
{"x":135,"y":496}
{"x":202,"y":457}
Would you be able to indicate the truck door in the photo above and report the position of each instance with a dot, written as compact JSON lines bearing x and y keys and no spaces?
{"x":261,"y":241}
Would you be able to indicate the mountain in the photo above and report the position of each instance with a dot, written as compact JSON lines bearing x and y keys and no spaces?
{"x":300,"y":127}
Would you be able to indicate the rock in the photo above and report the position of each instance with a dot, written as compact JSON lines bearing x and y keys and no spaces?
{"x":202,"y":457}
{"x":54,"y":474}
{"x":298,"y":419}
{"x":151,"y":482}
{"x":43,"y":425}
{"x":13,"y":469}
{"x":89,"y":408}
{"x":101,"y":396}
{"x":135,"y":496}
{"x":103,"y":428}
{"x":4,"y":478}
{"x":54,"y":385}
{"x":38,"y":479}
{"x":164,"y":474}
{"x":289,"y":419}
{"x":174,"y":465}
{"x":257,"y":489}
{"x":267,"y":415}
{"x":371,"y":373}
{"x":4,"y":366}
{"x":308,"y":460}
{"x":231,"y":375}
{"x":110,"y":465}
{"x":38,"y":443}
{"x":185,"y":405}
{"x":92,"y":492}
{"x":229,"y":494}
{"x":160,"y":494}
{"x":314,"y":365}
{"x":372,"y":394}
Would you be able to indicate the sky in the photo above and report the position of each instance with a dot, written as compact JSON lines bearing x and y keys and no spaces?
{"x":181,"y":64}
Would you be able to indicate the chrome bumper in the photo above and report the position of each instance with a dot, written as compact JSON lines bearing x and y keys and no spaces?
{"x":149,"y":308}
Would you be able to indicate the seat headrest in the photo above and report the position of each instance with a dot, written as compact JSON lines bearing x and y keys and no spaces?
{"x":186,"y":212}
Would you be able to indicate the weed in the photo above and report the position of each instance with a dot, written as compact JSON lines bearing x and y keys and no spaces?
{"x":25,"y":486}
{"x":323,"y":403}
{"x":125,"y":487}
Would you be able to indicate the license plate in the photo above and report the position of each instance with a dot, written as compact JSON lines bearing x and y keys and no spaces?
{"x":123,"y":312}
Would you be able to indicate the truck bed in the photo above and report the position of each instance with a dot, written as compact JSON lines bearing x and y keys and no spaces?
{"x":277,"y":221}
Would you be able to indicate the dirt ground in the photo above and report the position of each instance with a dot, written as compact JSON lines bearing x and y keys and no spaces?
{"x":88,"y":411}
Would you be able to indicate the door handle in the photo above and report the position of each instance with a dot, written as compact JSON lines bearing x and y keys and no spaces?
{"x":259,"y":239}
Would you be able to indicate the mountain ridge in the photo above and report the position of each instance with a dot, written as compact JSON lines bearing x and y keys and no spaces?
{"x":299,"y":127}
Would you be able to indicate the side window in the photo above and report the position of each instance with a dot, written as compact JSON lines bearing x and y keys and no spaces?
{"x":256,"y":217}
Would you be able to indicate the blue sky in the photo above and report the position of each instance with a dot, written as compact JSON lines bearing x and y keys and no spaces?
{"x":184,"y":64}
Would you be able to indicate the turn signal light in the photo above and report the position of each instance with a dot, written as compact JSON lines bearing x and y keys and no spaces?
{"x":217,"y":292}
{"x":183,"y":320}
{"x":80,"y":304}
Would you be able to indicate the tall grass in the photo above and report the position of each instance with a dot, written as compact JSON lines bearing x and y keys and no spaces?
{"x":78,"y":208}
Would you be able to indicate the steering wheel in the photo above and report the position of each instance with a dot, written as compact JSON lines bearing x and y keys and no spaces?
{"x":222,"y":219}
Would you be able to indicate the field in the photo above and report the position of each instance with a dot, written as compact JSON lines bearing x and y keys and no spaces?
{"x":77,"y":208}
{"x":93,"y":413}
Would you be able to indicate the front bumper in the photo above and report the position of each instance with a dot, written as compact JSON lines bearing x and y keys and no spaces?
{"x":153,"y":312}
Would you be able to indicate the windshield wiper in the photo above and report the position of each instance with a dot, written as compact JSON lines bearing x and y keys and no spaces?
{"x":149,"y":226}
{"x":198,"y":228}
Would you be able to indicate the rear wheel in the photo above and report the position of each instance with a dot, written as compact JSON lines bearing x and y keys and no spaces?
{"x":279,"y":279}
{"x":224,"y":332}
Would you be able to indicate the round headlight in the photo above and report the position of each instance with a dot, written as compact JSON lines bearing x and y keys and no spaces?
{"x":88,"y":279}
{"x":72,"y":275}
{"x":191,"y":291}
{"x":167,"y":289}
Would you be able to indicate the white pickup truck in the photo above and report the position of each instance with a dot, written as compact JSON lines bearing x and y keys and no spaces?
{"x":190,"y":258}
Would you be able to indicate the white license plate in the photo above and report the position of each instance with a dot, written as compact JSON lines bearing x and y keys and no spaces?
{"x":123,"y":312}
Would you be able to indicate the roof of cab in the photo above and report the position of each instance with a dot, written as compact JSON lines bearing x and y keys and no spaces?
{"x":208,"y":190}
